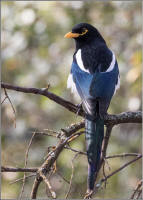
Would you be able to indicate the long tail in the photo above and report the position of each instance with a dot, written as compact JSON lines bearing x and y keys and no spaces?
{"x":94,"y":137}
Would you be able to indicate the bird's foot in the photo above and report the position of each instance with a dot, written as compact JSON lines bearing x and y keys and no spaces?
{"x":88,"y":194}
{"x":79,"y":108}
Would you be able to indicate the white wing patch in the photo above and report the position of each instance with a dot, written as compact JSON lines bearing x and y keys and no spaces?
{"x":79,"y":61}
{"x":71,"y":84}
{"x":111,"y":67}
{"x":117,"y":86}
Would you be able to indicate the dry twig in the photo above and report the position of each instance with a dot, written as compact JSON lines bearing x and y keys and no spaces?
{"x":26,"y":160}
{"x":18,"y":169}
{"x":119,"y":169}
{"x":21,"y":179}
{"x":72,"y":165}
{"x":137,"y":191}
{"x":122,"y":155}
{"x":13,"y":109}
{"x":63,"y":177}
{"x":48,"y":184}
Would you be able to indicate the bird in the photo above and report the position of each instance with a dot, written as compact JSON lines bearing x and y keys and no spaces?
{"x":95,"y":77}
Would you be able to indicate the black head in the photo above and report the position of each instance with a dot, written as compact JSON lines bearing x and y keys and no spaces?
{"x":84,"y":33}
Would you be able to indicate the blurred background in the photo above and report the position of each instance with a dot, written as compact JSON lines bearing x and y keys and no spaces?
{"x":35,"y":54}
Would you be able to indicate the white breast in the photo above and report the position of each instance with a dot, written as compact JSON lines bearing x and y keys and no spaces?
{"x":79,"y":61}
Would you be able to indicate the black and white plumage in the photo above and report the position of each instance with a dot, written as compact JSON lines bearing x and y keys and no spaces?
{"x":108,"y":68}
{"x":95,"y":77}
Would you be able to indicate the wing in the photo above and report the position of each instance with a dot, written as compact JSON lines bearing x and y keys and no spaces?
{"x":104,"y":86}
{"x":83,"y":82}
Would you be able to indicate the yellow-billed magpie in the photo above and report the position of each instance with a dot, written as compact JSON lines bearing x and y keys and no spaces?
{"x":95,"y":77}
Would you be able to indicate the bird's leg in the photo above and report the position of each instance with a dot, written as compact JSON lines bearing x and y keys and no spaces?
{"x":79,"y":108}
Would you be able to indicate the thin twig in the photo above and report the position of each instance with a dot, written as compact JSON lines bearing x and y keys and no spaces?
{"x":137,"y":190}
{"x":122,"y":155}
{"x":21,"y":179}
{"x":76,"y":151}
{"x":62,"y":177}
{"x":46,"y":134}
{"x":51,"y":131}
{"x":13,"y":109}
{"x":119,"y":169}
{"x":71,"y":175}
{"x":48,"y":184}
{"x":107,"y":157}
{"x":139,"y":194}
{"x":3,"y":100}
{"x":26,"y":160}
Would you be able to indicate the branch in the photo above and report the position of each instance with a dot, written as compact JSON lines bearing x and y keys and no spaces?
{"x":119,"y":169}
{"x":68,"y":105}
{"x":51,"y":158}
{"x":21,"y":179}
{"x":122,"y":155}
{"x":137,"y":190}
{"x":72,"y":165}
{"x":13,"y":109}
{"x":25,"y":165}
{"x":107,"y":157}
{"x":49,"y":185}
{"x":13,"y":169}
{"x":125,"y":117}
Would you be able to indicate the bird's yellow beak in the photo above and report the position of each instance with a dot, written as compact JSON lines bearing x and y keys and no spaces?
{"x":75,"y":35}
{"x":71,"y":35}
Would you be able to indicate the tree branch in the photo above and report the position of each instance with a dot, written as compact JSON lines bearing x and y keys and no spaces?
{"x":125,"y":117}
{"x":119,"y":169}
{"x":68,"y":105}
{"x":14,"y":169}
{"x":25,"y":165}
{"x":51,"y":158}
{"x":138,"y":190}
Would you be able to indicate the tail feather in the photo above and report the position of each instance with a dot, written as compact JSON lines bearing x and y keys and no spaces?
{"x":94,"y":137}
